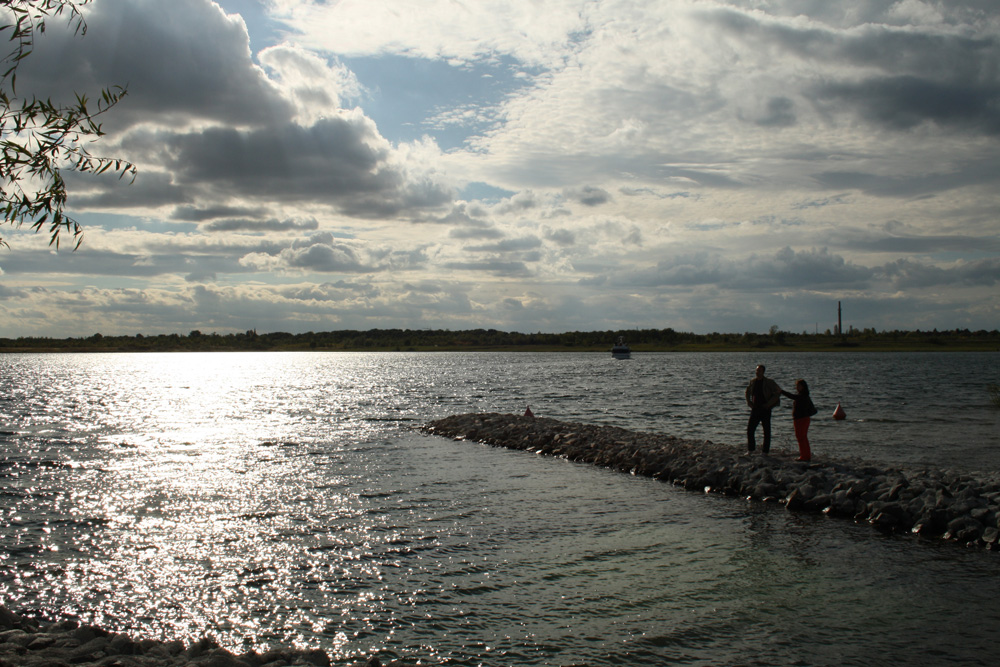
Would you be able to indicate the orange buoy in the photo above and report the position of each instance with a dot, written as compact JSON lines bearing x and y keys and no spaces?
{"x":528,"y":412}
{"x":839,"y":413}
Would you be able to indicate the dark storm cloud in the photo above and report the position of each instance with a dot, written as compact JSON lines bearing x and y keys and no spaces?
{"x":290,"y":161}
{"x":678,"y":271}
{"x":461,"y":213}
{"x":910,"y":49}
{"x":918,"y":74}
{"x":333,"y":291}
{"x":270,"y":225}
{"x":905,"y":273}
{"x":520,"y":202}
{"x":923,"y":244}
{"x":703,"y":178}
{"x":788,"y":269}
{"x":181,"y":59}
{"x":325,"y":253}
{"x":780,"y":113}
{"x":494,"y":267}
{"x":635,"y":192}
{"x":201,"y":276}
{"x":184,"y":63}
{"x":9,"y":293}
{"x":509,"y":245}
{"x":929,"y":182}
{"x":589,"y":195}
{"x":476,"y":233}
{"x":326,"y":258}
{"x":563,"y":237}
{"x":822,"y":203}
{"x":806,"y":269}
{"x":339,"y":161}
{"x":150,"y":188}
{"x":903,"y":102}
{"x":201,"y":214}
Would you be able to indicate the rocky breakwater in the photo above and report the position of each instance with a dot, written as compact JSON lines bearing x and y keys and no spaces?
{"x":929,"y":503}
{"x":29,"y":642}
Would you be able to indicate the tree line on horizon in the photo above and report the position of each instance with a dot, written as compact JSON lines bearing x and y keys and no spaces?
{"x":486,"y":339}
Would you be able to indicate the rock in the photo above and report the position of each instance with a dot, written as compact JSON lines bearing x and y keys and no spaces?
{"x":68,"y":644}
{"x":93,"y":650}
{"x":963,"y":529}
{"x":200,"y":646}
{"x":8,"y":619}
{"x":962,"y":507}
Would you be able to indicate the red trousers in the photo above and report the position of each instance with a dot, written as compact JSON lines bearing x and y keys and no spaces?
{"x":802,"y":435}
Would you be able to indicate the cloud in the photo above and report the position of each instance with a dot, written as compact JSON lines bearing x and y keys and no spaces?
{"x":903,"y":102}
{"x":881,"y":242}
{"x":8,"y":293}
{"x":341,"y":161}
{"x":929,"y":179}
{"x":509,"y":245}
{"x":437,"y":29}
{"x":494,"y":267}
{"x":785,"y":269}
{"x":269,"y":225}
{"x":809,"y":269}
{"x":208,"y":126}
{"x":324,"y":253}
{"x":183,"y":61}
{"x":589,"y":195}
{"x":563,"y":237}
{"x":715,"y":165}
{"x":476,"y":232}
{"x":906,"y":274}
{"x":314,"y":84}
{"x":201,"y":214}
{"x":780,"y":113}
{"x":150,"y":189}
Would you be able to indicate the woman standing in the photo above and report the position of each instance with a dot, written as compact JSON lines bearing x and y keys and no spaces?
{"x":802,"y":410}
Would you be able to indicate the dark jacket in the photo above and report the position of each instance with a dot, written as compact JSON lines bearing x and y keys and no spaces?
{"x":772,"y":394}
{"x":802,"y":405}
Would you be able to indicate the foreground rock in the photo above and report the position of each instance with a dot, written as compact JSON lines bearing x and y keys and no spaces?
{"x":28,"y":642}
{"x":940,"y":504}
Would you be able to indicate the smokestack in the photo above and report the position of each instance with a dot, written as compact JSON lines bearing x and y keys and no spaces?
{"x":840,"y":325}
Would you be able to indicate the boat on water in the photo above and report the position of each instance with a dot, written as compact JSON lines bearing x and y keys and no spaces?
{"x":621,"y":350}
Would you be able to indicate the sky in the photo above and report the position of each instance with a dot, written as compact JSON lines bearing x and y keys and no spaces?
{"x":568,"y":165}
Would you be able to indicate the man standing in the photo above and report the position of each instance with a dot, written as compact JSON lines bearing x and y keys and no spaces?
{"x":762,"y":394}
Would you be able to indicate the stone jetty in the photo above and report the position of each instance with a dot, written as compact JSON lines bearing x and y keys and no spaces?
{"x":26,"y":641}
{"x":936,"y":504}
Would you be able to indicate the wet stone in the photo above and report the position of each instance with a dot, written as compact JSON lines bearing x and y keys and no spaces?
{"x":24,"y":641}
{"x":963,"y":508}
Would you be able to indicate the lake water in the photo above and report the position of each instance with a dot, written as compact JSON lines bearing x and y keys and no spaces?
{"x":266,"y":498}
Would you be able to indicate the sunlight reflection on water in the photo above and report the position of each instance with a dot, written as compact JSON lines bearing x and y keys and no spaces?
{"x":279,"y":497}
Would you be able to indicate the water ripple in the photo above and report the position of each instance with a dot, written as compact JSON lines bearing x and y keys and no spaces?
{"x":285,"y":498}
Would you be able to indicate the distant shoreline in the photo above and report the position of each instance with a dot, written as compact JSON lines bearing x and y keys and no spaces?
{"x":681,"y":349}
{"x":491,"y":340}
{"x":636,"y":350}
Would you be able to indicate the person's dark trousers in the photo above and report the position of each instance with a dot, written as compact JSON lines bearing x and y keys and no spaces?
{"x":762,"y":417}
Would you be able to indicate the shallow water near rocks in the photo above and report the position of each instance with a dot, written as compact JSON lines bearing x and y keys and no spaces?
{"x":282,"y":497}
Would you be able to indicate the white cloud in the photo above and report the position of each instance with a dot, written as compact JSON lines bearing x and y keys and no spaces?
{"x":317,"y":87}
{"x":534,"y":33}
{"x":706,"y":165}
